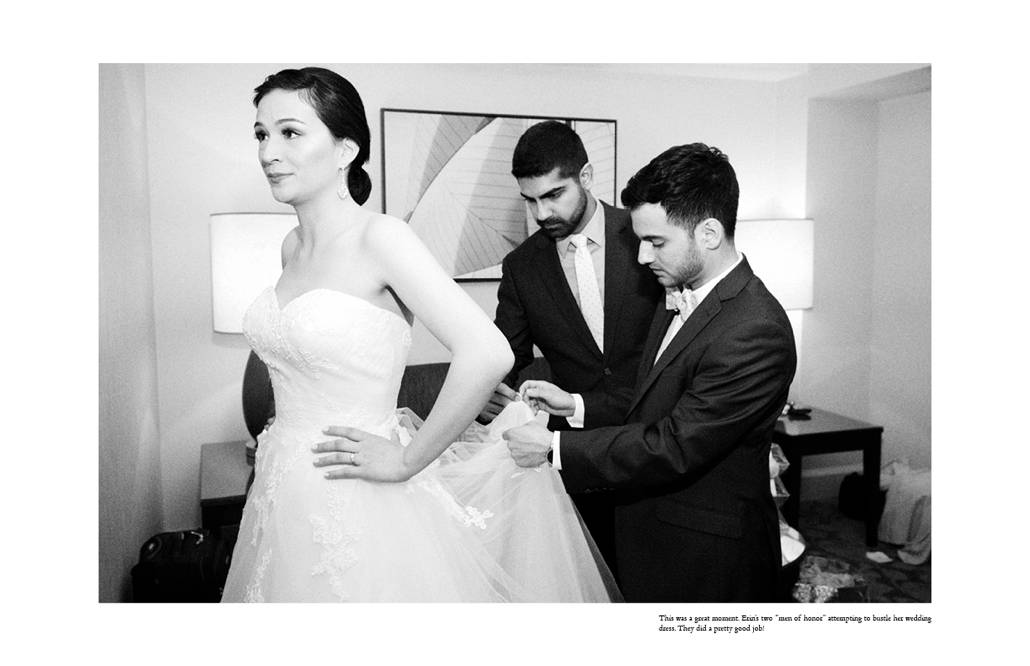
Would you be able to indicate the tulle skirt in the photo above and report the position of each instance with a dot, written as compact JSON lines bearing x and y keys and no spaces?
{"x":473,"y":526}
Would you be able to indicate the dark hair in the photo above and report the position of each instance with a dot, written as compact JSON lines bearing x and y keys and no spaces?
{"x":339,"y":106}
{"x":545,"y":146}
{"x":692,"y":183}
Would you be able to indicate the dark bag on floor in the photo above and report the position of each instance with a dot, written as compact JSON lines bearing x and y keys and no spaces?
{"x":851,"y":500}
{"x":184,"y":566}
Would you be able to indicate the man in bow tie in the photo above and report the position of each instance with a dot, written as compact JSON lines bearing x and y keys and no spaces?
{"x":696,"y":521}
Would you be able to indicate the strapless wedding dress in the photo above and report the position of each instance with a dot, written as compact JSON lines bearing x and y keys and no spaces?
{"x":472,"y":526}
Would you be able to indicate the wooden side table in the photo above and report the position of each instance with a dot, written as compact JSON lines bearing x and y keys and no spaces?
{"x":826,"y":432}
{"x":224,"y":478}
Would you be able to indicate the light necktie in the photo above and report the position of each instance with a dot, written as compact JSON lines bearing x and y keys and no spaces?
{"x":589,"y":293}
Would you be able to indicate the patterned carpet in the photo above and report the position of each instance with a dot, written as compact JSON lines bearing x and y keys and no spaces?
{"x":830,"y":534}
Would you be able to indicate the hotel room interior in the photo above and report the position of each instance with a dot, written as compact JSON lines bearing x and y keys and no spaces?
{"x":844,"y":146}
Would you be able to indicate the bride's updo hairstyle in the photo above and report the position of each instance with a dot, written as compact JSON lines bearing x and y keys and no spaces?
{"x":339,"y":106}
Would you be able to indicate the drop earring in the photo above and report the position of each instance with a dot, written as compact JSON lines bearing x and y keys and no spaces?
{"x":342,"y":190}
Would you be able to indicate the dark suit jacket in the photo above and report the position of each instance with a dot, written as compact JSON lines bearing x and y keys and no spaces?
{"x":536,"y":306}
{"x":697,"y":522}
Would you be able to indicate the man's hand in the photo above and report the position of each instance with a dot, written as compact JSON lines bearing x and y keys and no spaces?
{"x":548,"y":397}
{"x":528,"y":444}
{"x":361,"y":455}
{"x":503,"y":395}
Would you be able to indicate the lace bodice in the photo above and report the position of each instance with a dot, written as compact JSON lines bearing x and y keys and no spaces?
{"x":333,"y":358}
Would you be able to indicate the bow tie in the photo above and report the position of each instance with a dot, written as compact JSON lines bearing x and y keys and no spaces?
{"x":683,"y":302}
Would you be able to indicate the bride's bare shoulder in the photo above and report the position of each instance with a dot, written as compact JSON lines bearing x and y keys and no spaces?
{"x":394,"y":245}
{"x":380,"y":223}
{"x":386,"y":231}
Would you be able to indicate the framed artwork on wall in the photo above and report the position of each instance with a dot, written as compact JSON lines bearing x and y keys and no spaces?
{"x":448,"y":175}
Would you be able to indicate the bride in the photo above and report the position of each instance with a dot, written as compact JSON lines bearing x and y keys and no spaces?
{"x":381,"y":507}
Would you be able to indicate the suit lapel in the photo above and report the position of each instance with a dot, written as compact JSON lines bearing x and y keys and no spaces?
{"x":659,"y":323}
{"x":707,"y":310}
{"x":553,"y":278}
{"x":619,"y":255}
{"x":695,"y":324}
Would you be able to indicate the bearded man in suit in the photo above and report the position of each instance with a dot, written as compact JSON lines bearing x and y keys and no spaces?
{"x":574,"y":290}
{"x":696,"y":521}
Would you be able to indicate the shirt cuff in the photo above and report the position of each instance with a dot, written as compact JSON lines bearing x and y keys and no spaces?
{"x":576,"y":420}
{"x":556,"y":450}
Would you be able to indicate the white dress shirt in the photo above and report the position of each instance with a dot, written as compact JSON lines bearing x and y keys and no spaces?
{"x":700,"y":293}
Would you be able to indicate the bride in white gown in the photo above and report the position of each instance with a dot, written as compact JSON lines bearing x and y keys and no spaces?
{"x":387,"y":509}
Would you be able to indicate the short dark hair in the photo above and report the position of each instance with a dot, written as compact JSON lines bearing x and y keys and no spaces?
{"x":546,"y":146}
{"x":692,"y":183}
{"x":338,"y":106}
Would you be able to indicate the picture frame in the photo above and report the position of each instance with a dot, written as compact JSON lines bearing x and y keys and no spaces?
{"x":448,"y":174}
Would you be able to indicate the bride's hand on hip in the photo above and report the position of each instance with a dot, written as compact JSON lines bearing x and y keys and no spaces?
{"x":357,"y":454}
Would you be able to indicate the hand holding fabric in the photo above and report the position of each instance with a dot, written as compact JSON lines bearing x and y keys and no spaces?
{"x":501,"y":398}
{"x":528,"y":444}
{"x":361,"y":455}
{"x":548,"y":397}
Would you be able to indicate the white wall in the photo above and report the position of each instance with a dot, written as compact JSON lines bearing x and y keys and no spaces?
{"x":900,"y":336}
{"x":866,"y":344}
{"x":202,"y":159}
{"x":130,"y":479}
{"x":824,"y":81}
{"x":841,"y":198}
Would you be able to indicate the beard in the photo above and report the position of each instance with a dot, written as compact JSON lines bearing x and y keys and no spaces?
{"x":687,"y":270}
{"x":556,"y":227}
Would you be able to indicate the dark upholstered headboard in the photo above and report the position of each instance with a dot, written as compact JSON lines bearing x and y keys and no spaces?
{"x":258,"y":401}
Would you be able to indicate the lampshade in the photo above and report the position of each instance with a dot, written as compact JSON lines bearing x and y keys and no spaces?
{"x":781,"y":254}
{"x":245,"y":259}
